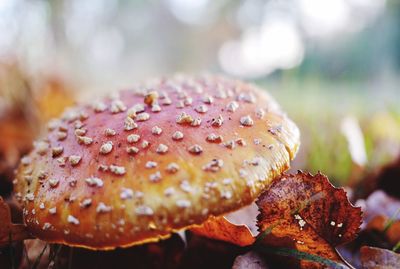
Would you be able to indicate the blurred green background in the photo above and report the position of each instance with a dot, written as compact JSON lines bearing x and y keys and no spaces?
{"x":334,"y":65}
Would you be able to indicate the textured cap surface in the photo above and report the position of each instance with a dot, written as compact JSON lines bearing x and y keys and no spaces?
{"x":144,"y":162}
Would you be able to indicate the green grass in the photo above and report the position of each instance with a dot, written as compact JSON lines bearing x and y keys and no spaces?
{"x":318,"y":107}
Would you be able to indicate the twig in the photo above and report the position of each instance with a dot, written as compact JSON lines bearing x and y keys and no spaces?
{"x":37,"y":261}
{"x":396,"y":247}
{"x":390,"y":221}
{"x":53,"y":257}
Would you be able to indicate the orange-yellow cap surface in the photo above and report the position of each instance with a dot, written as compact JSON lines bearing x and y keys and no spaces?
{"x":142,"y":163}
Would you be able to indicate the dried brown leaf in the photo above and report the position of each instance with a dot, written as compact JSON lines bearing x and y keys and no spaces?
{"x":220,"y":228}
{"x":5,"y":225}
{"x":16,"y":139}
{"x":245,"y":216}
{"x":307,"y":213}
{"x":378,"y":258}
{"x":27,"y":103}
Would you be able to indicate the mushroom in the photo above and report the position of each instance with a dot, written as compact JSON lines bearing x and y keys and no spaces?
{"x":174,"y":168}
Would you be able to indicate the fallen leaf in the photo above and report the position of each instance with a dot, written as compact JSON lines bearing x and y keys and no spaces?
{"x":308,"y":214}
{"x":249,"y":260}
{"x":390,"y":228}
{"x":13,"y":144}
{"x":378,"y":258}
{"x":10,"y":232}
{"x":219,"y":228}
{"x":238,"y":227}
{"x":379,"y":203}
{"x":18,"y":124}
{"x":26,"y":104}
{"x":245,"y":216}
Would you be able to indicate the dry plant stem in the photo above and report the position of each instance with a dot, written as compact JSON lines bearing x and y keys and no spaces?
{"x":390,"y":221}
{"x":11,"y":251}
{"x":38,"y":259}
{"x":396,"y":247}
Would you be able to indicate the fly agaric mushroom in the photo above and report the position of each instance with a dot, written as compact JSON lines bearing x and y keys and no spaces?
{"x":143,"y":163}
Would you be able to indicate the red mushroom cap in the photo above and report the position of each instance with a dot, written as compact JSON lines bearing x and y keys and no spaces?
{"x":142,"y":163}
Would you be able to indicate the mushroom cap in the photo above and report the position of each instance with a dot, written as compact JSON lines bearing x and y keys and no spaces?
{"x":145,"y":162}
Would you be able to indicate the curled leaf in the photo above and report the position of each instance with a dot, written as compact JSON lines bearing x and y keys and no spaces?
{"x":10,"y":232}
{"x":379,"y":258}
{"x":308,"y":214}
{"x":245,"y":216}
{"x":220,"y":228}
